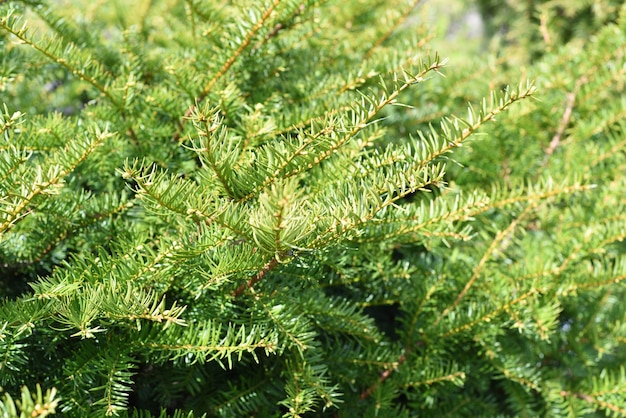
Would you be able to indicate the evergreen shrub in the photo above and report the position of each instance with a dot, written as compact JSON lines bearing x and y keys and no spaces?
{"x":298,"y":208}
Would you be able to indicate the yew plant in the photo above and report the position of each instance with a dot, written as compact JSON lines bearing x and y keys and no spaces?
{"x":299,"y":208}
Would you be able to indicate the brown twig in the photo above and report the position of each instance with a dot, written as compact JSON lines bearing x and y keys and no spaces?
{"x":257,"y":278}
{"x":543,"y":27}
{"x":133,"y":136}
{"x":567,"y":114}
{"x":280,"y":26}
{"x":498,"y":244}
{"x":383,"y":376}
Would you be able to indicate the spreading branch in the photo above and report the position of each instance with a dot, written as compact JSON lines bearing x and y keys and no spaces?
{"x":227,"y":65}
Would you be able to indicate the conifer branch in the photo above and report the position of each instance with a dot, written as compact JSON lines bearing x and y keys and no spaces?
{"x":475,"y":121}
{"x":75,"y":230}
{"x":68,"y":64}
{"x":594,"y":401}
{"x":196,"y":11}
{"x":9,"y":25}
{"x":493,"y":314}
{"x":210,"y":154}
{"x":191,"y":12}
{"x":229,"y":62}
{"x":208,"y":341}
{"x":524,"y":381}
{"x":383,"y":377}
{"x":399,"y":21}
{"x":617,"y":147}
{"x":176,"y":196}
{"x":500,"y":237}
{"x":452,"y":377}
{"x":567,"y":114}
{"x":13,"y":162}
{"x":45,"y":183}
{"x":454,"y":137}
{"x":532,"y":197}
{"x":361,"y":122}
{"x":420,"y":308}
{"x":35,"y":404}
{"x":271,"y":265}
{"x":334,"y":231}
{"x":335,"y":90}
{"x":427,"y":215}
{"x":572,"y":289}
{"x":387,"y":373}
{"x":281,"y":26}
{"x":117,"y":386}
{"x":9,"y":122}
{"x":545,"y":33}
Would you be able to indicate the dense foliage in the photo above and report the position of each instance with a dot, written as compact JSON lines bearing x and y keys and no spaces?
{"x":298,"y":208}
